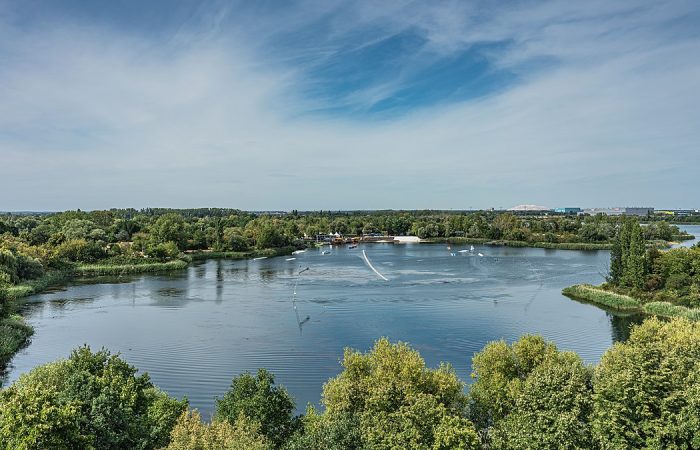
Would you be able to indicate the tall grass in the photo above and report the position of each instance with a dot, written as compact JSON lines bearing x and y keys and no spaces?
{"x":121,"y":269}
{"x":625,"y":303}
{"x":270,"y":252}
{"x":14,"y":334}
{"x":666,"y":309}
{"x":597,"y":295}
{"x":31,"y":287}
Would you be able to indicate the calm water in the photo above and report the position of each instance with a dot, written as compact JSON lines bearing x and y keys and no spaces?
{"x":692,"y":229}
{"x":194,"y":330}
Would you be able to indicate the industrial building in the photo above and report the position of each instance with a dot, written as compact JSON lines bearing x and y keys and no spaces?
{"x":568,"y":210}
{"x":624,"y":211}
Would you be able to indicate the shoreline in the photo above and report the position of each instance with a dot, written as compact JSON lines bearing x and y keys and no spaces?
{"x":598,"y":296}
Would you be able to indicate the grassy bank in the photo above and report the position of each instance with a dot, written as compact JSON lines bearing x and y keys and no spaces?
{"x":31,"y":287}
{"x":665,"y":309}
{"x":599,"y":296}
{"x":14,"y":334}
{"x":624,"y":303}
{"x":269,"y":252}
{"x":87,"y":270}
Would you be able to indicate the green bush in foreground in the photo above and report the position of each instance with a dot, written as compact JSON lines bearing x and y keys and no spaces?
{"x":398,"y":402}
{"x":645,"y":393}
{"x":191,"y":434}
{"x":257,"y":398}
{"x":530,"y":395}
{"x":91,"y":400}
{"x":647,"y":390}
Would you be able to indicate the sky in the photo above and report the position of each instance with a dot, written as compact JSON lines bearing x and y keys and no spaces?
{"x":323,"y":104}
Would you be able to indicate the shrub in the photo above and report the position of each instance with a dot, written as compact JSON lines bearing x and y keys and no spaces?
{"x":647,"y":390}
{"x":91,"y":400}
{"x":257,"y":398}
{"x":191,"y":434}
{"x":397,"y":401}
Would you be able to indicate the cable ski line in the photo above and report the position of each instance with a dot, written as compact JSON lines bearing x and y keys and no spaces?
{"x":364,"y":255}
{"x":300,"y":323}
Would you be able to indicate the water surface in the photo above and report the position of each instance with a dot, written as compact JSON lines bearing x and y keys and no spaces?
{"x":194,"y":330}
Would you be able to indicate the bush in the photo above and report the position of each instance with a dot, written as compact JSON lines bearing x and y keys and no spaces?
{"x":191,"y":434}
{"x":647,"y":390}
{"x":91,"y":400}
{"x":257,"y":398}
{"x":79,"y":250}
{"x":397,"y":401}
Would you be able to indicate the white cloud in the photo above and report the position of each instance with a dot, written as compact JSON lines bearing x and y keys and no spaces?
{"x":93,"y":118}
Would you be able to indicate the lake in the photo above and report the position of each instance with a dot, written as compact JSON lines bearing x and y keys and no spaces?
{"x":192,"y":331}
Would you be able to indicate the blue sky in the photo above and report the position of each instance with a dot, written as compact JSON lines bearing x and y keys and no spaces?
{"x":349,"y":105}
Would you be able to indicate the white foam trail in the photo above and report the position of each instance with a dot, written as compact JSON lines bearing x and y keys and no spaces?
{"x":372,"y":267}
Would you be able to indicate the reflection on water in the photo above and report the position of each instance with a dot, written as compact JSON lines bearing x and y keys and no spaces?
{"x":194,"y":330}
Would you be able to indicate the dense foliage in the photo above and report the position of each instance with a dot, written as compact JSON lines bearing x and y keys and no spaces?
{"x":257,"y":398}
{"x":32,"y":245}
{"x":396,"y":402}
{"x":649,"y":274}
{"x":644,"y":393}
{"x":190,"y":433}
{"x":90,"y":400}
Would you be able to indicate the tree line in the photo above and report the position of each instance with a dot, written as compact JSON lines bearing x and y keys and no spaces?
{"x":644,"y":393}
{"x":650,"y":274}
{"x":32,"y":245}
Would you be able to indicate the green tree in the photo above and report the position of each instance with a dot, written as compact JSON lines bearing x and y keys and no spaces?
{"x":647,"y":389}
{"x":257,"y":398}
{"x":191,"y":434}
{"x":398,"y":402}
{"x":530,"y":395}
{"x":91,"y":400}
{"x":634,"y":265}
{"x":169,"y":228}
{"x":323,"y":432}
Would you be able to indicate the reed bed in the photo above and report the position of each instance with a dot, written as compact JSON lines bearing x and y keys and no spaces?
{"x":31,"y":287}
{"x":593,"y":294}
{"x":625,"y":303}
{"x":121,"y":269}
{"x":665,"y":309}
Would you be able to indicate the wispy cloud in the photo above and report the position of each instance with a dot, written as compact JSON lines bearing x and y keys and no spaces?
{"x":353,"y":105}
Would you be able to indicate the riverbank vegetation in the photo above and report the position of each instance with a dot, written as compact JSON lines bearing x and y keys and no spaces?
{"x":646,"y":280}
{"x":39,"y":251}
{"x":36,"y":249}
{"x":527,"y":394}
{"x":14,"y":334}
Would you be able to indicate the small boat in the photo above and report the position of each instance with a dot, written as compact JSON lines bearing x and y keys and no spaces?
{"x":471,"y":248}
{"x":326,"y":252}
{"x":480,"y":254}
{"x":453,"y":254}
{"x":463,"y":251}
{"x":298,"y":252}
{"x":259,"y":258}
{"x":352,"y":246}
{"x":290,"y":259}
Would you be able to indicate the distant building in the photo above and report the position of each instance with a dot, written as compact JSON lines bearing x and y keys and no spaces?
{"x":679,"y":212}
{"x":567,"y":210}
{"x":529,"y":208}
{"x":639,"y":211}
{"x":626,"y":211}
